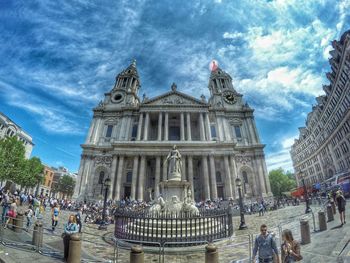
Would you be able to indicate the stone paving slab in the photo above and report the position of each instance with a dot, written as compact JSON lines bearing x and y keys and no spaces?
{"x":324,"y":247}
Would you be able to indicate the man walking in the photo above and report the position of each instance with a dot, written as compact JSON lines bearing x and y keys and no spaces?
{"x":266,"y":245}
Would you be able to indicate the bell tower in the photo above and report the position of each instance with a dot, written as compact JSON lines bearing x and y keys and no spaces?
{"x":221,"y":89}
{"x":126,"y":87}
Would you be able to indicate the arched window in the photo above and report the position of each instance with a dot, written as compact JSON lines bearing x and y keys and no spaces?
{"x":245,"y":177}
{"x":100,"y":178}
{"x":218,"y":177}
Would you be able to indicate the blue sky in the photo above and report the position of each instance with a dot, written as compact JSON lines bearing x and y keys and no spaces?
{"x":59,"y":57}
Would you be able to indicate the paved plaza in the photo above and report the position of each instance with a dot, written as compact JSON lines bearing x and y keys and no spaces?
{"x":98,"y":245}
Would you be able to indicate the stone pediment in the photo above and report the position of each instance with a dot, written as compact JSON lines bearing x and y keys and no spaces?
{"x":174,"y":98}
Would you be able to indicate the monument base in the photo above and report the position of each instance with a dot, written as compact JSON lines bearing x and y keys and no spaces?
{"x":174,"y":188}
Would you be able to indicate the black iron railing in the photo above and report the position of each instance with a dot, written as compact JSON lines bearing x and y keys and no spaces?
{"x":145,"y":226}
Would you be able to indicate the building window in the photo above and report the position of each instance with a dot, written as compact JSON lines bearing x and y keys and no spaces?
{"x":100,"y":178}
{"x":129,"y":176}
{"x":238,"y":131}
{"x":109,"y":131}
{"x":134,"y":132}
{"x":213,"y":131}
{"x":218,"y":177}
{"x":174,"y":133}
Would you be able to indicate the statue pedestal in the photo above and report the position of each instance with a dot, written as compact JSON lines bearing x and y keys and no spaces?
{"x":174,"y":188}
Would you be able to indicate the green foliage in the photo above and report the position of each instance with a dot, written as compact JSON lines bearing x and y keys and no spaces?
{"x":281,"y":181}
{"x":66,"y":185}
{"x":14,"y":166}
{"x":12,"y":160}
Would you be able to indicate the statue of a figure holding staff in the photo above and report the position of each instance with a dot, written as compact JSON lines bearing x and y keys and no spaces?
{"x":174,"y":165}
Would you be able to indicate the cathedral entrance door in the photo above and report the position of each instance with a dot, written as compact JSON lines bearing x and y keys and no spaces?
{"x":220,"y":192}
{"x":127,"y":191}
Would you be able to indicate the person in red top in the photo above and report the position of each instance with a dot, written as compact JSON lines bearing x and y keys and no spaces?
{"x":11,"y":214}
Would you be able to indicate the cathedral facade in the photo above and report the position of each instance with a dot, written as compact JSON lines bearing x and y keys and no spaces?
{"x":130,"y":138}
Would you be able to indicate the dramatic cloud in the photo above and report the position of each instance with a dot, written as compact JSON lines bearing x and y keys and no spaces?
{"x":61,"y":57}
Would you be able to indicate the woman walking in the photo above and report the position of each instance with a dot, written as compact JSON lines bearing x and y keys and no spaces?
{"x":290,"y":248}
{"x":55,"y":211}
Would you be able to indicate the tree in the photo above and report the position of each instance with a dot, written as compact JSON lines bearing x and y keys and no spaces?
{"x":12,"y":160}
{"x":33,"y":174}
{"x":66,"y":185}
{"x":281,"y":181}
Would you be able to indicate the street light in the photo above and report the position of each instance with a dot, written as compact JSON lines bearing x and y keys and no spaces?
{"x":103,"y":225}
{"x":306,"y":197}
{"x":241,"y":209}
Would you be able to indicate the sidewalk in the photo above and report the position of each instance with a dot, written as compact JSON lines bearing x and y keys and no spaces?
{"x":326,"y":246}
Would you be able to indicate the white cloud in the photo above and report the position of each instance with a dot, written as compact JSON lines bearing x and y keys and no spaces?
{"x":281,"y":158}
{"x":233,"y":35}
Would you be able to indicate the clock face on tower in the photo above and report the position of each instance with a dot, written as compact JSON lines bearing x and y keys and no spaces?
{"x":229,"y":97}
{"x":118,"y":97}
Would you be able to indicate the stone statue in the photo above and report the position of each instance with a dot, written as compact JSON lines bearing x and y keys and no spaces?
{"x":174,"y":165}
{"x":159,"y":206}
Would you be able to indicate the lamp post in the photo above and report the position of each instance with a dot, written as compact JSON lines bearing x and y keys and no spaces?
{"x":241,"y":209}
{"x":306,"y":196}
{"x":103,"y":225}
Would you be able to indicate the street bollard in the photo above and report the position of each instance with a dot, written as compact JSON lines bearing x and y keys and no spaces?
{"x":38,"y":235}
{"x":74,"y":252}
{"x":330,"y":215}
{"x":322,"y":221}
{"x":333,"y":207}
{"x":137,"y":254}
{"x":305,"y":231}
{"x":19,"y":222}
{"x":211,"y":254}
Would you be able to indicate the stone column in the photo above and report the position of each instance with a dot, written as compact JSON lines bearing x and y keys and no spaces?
{"x":165,"y":169}
{"x":182,"y":129}
{"x":160,"y":119}
{"x":190,"y":173}
{"x":255,"y":131}
{"x":145,"y":134}
{"x":219,"y":129}
{"x":266,"y":175}
{"x":208,"y":130}
{"x":205,"y":177}
{"x":134,"y":178}
{"x":139,"y":127}
{"x":233,"y":177}
{"x":188,"y":119}
{"x":77,"y":188}
{"x":140,"y":187}
{"x":183,"y":168}
{"x":113,"y":177}
{"x":213,"y":186}
{"x":252,"y":131}
{"x":261,"y":177}
{"x":227,"y":129}
{"x":122,"y":129}
{"x":166,"y":127}
{"x":90,"y":133}
{"x":201,"y":127}
{"x":119,"y":178}
{"x":246,"y":131}
{"x":157,"y":177}
{"x":228,"y":184}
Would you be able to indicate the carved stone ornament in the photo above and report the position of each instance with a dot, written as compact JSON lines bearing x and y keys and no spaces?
{"x":103,"y":160}
{"x":243,"y":159}
{"x":176,"y":100}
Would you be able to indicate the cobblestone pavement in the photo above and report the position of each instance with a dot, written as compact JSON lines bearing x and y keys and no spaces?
{"x":98,"y":247}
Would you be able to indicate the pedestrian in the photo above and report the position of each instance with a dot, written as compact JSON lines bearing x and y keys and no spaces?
{"x":261,"y":209}
{"x":29,"y":214}
{"x":341,"y":202}
{"x":265,"y":244}
{"x":78,"y":219}
{"x":11,"y":214}
{"x":69,"y":228}
{"x":55,"y":212}
{"x":290,"y":248}
{"x":5,"y":202}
